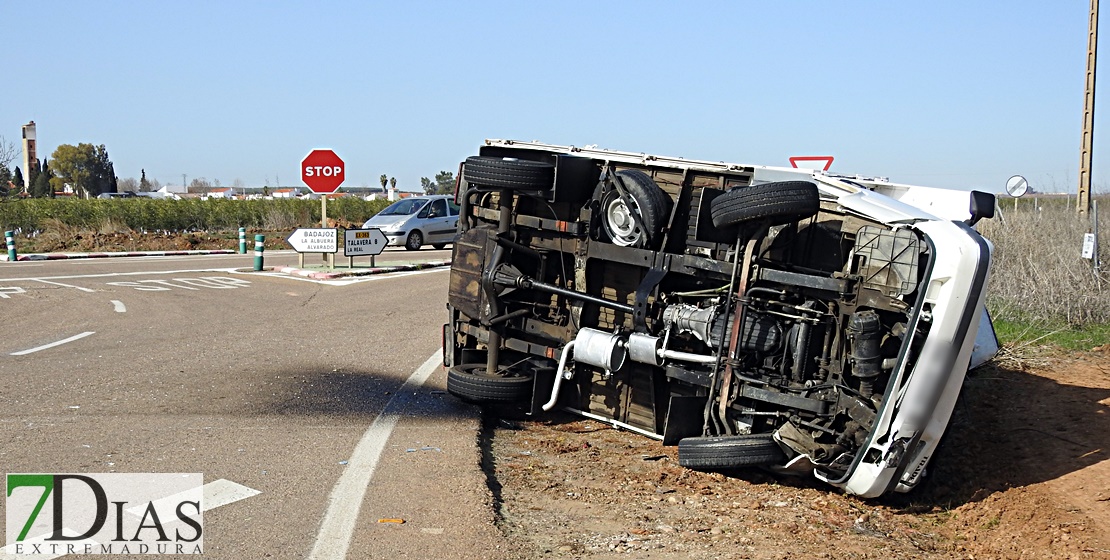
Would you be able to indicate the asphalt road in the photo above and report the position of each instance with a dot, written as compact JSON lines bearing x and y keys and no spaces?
{"x":289,"y":387}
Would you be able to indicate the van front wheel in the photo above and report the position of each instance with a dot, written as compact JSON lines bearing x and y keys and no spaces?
{"x":414,"y":241}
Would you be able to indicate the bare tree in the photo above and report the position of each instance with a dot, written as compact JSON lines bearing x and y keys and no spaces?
{"x":128,"y":184}
{"x":200,"y":185}
{"x":9,"y":152}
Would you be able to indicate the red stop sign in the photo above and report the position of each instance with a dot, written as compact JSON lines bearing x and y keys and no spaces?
{"x":322,"y":171}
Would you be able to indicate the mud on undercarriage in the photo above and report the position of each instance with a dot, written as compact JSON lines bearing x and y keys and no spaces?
{"x":752,"y":322}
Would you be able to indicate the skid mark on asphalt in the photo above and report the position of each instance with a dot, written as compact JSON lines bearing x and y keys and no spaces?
{"x":338,"y":526}
{"x":53,"y":344}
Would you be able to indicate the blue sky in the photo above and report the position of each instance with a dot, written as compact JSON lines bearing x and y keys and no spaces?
{"x":953,"y":94}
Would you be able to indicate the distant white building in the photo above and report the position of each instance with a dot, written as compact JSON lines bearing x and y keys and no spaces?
{"x":284,"y":193}
{"x":221,"y":193}
{"x":163,"y":192}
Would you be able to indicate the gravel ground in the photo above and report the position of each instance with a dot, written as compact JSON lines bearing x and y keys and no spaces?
{"x":1023,"y":473}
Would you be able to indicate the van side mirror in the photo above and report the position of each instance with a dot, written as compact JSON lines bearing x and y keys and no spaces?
{"x":982,"y":206}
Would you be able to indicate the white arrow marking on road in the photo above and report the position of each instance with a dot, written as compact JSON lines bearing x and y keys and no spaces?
{"x":216,"y":493}
{"x":338,"y":526}
{"x":53,"y":344}
{"x":119,"y":306}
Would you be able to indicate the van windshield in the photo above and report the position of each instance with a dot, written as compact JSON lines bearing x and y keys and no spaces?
{"x":403,"y":207}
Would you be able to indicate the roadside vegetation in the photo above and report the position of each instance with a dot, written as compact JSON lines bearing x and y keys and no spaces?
{"x":1042,"y":292}
{"x":31,"y":217}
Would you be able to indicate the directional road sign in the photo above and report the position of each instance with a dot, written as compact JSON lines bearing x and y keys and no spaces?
{"x":363,"y":242}
{"x":322,"y":171}
{"x":314,"y":240}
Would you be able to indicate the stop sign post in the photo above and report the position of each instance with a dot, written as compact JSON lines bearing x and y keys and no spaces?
{"x":323,"y":171}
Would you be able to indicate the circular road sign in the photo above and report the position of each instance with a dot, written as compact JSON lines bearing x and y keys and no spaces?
{"x":1017,"y":186}
{"x":322,"y":171}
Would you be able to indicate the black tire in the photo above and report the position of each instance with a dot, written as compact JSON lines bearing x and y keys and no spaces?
{"x":649,"y":202}
{"x":439,"y":245}
{"x":414,"y":241}
{"x":779,"y":203}
{"x":508,"y":173}
{"x":711,"y":453}
{"x":474,"y":383}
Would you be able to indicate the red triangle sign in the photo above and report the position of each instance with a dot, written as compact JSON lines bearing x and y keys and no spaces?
{"x":812,"y":162}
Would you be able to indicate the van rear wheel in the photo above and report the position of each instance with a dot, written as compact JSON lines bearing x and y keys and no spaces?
{"x":649,"y":204}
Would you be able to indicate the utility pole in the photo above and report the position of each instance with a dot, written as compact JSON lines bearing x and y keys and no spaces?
{"x":1083,"y":204}
{"x":184,"y":186}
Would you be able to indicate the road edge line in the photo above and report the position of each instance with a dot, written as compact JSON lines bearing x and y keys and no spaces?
{"x":345,"y":501}
{"x":52,"y":344}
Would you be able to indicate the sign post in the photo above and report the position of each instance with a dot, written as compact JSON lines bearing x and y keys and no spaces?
{"x":362,"y":242}
{"x":323,"y":171}
{"x":314,"y":240}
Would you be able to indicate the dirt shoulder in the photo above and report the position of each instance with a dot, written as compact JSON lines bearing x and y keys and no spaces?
{"x":1023,"y":473}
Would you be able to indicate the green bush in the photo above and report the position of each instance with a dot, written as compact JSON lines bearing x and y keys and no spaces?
{"x":148,"y":214}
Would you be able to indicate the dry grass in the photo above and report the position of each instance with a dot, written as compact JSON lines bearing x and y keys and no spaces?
{"x":1038,"y":275}
{"x":279,"y":218}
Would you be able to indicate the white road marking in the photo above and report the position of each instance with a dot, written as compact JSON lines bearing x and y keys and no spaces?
{"x":62,"y":285}
{"x":216,"y":493}
{"x":119,"y":306}
{"x":222,"y":492}
{"x":53,"y":344}
{"x":345,"y":281}
{"x":115,"y":274}
{"x":349,"y":280}
{"x":5,"y":290}
{"x":212,"y":282}
{"x":338,"y":526}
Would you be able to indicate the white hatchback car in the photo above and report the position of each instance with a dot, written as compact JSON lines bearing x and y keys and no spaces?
{"x":419,"y":220}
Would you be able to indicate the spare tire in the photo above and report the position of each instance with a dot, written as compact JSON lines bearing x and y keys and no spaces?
{"x":729,"y":452}
{"x":508,"y":173}
{"x":779,"y":203}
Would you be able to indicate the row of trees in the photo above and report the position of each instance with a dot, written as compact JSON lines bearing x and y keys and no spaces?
{"x":89,"y":172}
{"x":85,"y":168}
{"x":444,"y":183}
